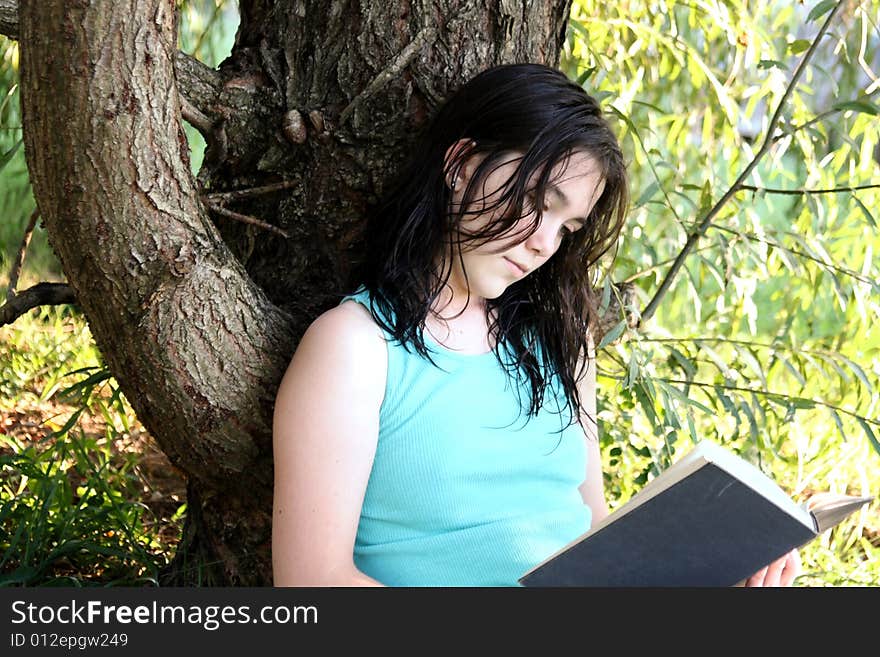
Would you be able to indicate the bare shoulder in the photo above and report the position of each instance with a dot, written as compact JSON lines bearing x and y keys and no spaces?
{"x":342,"y":348}
{"x":346,"y":328}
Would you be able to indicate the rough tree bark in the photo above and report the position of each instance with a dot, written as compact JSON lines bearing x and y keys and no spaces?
{"x":197,"y":315}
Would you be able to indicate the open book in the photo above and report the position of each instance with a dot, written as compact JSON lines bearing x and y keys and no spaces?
{"x":710,"y":519}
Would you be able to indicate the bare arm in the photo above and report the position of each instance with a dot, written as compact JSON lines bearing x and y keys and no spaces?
{"x":325,"y":429}
{"x":593,"y":489}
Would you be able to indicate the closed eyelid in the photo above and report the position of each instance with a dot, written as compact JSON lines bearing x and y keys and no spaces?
{"x":558,"y":196}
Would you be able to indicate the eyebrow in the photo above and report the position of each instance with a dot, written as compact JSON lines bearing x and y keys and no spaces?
{"x":560,"y":195}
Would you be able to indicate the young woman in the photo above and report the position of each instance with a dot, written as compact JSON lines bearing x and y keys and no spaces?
{"x":437,"y":427}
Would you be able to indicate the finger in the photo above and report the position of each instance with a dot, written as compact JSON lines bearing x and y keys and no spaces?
{"x":774,"y":572}
{"x":758,"y":578}
{"x":792,"y":568}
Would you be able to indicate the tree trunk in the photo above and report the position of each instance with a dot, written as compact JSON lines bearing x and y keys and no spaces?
{"x":197,"y":315}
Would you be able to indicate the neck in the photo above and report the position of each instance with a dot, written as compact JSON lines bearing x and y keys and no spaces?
{"x":454,"y":303}
{"x":459,"y":323}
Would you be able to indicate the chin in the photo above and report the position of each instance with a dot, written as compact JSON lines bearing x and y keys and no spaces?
{"x":491,"y":291}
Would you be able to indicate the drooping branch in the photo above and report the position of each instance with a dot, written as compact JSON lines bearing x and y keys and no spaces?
{"x":794,"y":399}
{"x":828,"y":266}
{"x":41,"y":294}
{"x":806,"y":192}
{"x":706,"y":220}
{"x":821,"y":116}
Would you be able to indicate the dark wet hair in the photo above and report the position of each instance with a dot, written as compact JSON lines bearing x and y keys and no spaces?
{"x":543,"y":320}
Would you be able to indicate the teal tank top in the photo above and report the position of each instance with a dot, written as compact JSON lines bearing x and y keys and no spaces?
{"x":465,"y":489}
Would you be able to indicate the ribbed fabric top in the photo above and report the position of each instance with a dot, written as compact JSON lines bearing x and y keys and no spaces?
{"x":463,"y":490}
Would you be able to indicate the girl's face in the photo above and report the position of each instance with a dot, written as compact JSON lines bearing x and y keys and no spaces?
{"x":573,"y":190}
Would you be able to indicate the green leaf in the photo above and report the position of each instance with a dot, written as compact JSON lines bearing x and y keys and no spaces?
{"x":86,"y":384}
{"x":771,"y":63}
{"x":606,"y":297}
{"x":791,"y":368}
{"x":692,"y":430}
{"x":722,"y":366}
{"x":586,"y":75}
{"x":862,"y":106}
{"x":647,"y":404}
{"x":802,"y":402}
{"x":870,"y":433}
{"x":678,"y":394}
{"x":859,"y":372}
{"x":838,"y":422}
{"x":633,"y":372}
{"x":689,"y":367}
{"x":67,"y":425}
{"x":725,"y":401}
{"x":798,"y":46}
{"x":626,"y":119}
{"x":706,"y":197}
{"x":866,"y":211}
{"x":6,"y":158}
{"x":613,"y":334}
{"x":647,"y":194}
{"x":652,"y":106}
{"x":602,"y":95}
{"x":753,"y":424}
{"x":752,"y":361}
{"x":669,"y":411}
{"x":821,"y":9}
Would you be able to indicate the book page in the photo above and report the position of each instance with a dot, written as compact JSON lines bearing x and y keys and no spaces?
{"x":829,"y":509}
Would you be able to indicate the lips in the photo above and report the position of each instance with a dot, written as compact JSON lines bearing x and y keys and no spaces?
{"x":516,"y":267}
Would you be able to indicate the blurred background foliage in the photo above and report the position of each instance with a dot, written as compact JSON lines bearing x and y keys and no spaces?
{"x":766,"y":339}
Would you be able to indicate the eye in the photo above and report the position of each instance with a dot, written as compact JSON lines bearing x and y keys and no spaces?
{"x":532,"y":199}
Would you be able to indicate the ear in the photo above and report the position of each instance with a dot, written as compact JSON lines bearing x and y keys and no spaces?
{"x":459,"y":165}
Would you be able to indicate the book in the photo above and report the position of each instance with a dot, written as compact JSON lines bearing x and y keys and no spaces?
{"x":710,"y":519}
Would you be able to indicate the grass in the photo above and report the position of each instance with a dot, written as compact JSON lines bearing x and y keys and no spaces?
{"x":86,"y":497}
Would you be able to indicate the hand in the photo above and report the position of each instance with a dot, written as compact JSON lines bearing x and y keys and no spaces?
{"x":779,"y":573}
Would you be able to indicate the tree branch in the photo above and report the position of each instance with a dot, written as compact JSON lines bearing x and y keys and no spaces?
{"x":9,"y":18}
{"x":766,"y":393}
{"x":804,"y":192}
{"x":199,"y":85}
{"x":41,"y":294}
{"x":819,"y":117}
{"x":213,"y":207}
{"x":19,"y":259}
{"x":238,"y":194}
{"x":706,"y":221}
{"x":776,"y":346}
{"x":425,"y":35}
{"x":776,"y":245}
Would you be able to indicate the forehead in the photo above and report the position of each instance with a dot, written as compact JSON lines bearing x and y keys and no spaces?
{"x":577,"y":180}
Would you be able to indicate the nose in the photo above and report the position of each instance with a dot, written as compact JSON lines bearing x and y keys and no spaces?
{"x":543,"y":240}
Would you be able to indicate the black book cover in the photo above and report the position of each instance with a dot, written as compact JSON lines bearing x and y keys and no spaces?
{"x":709,"y":529}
